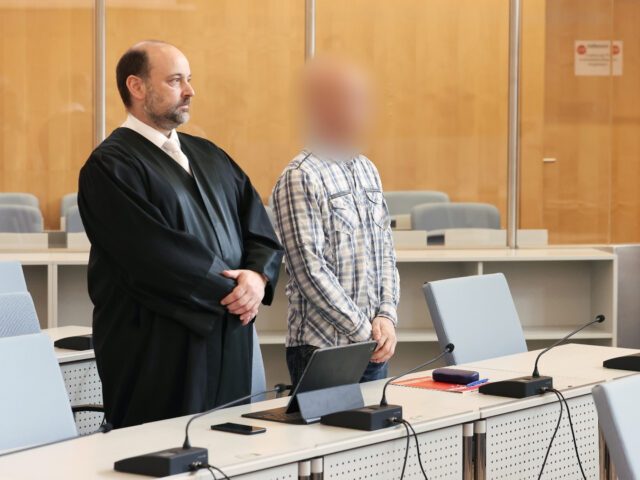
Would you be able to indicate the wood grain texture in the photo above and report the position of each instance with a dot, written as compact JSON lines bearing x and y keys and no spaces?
{"x":245,"y":57}
{"x":442,"y":72}
{"x":46,"y":101}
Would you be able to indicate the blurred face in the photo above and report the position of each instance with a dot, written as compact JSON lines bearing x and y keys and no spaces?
{"x":339,"y":103}
{"x":168,"y":92}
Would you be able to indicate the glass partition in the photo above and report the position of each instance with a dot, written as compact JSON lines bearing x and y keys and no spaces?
{"x":46,"y":98}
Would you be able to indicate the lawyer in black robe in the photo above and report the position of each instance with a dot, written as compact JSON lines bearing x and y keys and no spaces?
{"x":160,"y":239}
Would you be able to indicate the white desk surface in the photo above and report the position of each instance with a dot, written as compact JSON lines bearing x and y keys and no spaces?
{"x":93,"y":456}
{"x":64,"y":355}
{"x":65,"y":256}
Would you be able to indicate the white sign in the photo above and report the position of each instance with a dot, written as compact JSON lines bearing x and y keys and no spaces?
{"x":592,"y":58}
{"x":616,"y":55}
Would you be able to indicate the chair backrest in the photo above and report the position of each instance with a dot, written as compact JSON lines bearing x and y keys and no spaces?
{"x":68,"y":201}
{"x":12,"y":277}
{"x":17,"y":315}
{"x":74,"y":223}
{"x":616,"y":403}
{"x":258,"y":376}
{"x":401,"y":202}
{"x":20,"y":219}
{"x":26,"y":199}
{"x":441,"y":216}
{"x":34,"y":404}
{"x":477,"y":315}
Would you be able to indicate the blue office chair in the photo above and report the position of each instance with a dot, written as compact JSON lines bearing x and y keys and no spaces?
{"x":25,"y":199}
{"x":20,"y":219}
{"x":402,"y":201}
{"x":12,"y":277}
{"x":443,"y":216}
{"x":34,"y":406}
{"x":17,"y":315}
{"x":73,"y":223}
{"x":617,"y":406}
{"x":68,"y":201}
{"x":477,"y":315}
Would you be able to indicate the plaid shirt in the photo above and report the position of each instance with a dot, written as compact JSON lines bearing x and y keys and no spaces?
{"x":334,"y":224}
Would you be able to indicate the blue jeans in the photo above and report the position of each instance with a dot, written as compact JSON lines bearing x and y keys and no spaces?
{"x":298,"y":357}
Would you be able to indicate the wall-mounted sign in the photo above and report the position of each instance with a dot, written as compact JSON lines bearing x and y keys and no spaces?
{"x":597,"y":58}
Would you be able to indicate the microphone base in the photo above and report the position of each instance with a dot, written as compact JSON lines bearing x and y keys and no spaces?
{"x":372,"y":417}
{"x":164,"y":462}
{"x":521,"y":387}
{"x":628,"y":362}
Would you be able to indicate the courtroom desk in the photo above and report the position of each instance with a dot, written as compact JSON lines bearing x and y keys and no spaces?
{"x":80,"y":376}
{"x":274,"y":454}
{"x":555,"y":289}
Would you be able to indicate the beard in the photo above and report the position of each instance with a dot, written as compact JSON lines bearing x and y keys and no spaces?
{"x":169,"y":117}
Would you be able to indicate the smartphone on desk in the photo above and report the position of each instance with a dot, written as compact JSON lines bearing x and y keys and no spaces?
{"x":238,"y":428}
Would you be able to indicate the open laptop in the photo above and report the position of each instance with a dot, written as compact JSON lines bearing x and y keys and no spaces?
{"x":328,"y":367}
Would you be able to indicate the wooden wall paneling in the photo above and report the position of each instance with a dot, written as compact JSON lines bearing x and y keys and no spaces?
{"x":46,"y":105}
{"x":442,"y":71}
{"x":245,"y":57}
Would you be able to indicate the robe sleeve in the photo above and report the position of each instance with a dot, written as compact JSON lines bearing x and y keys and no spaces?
{"x":155,"y":260}
{"x":262,"y":251}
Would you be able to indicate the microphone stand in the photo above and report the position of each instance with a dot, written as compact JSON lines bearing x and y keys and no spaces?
{"x":382,"y":415}
{"x":535,"y":384}
{"x":176,"y":460}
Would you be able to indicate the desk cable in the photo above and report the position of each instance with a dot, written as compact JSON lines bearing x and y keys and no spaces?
{"x":199,"y":466}
{"x":409,"y":428}
{"x":561,"y":400}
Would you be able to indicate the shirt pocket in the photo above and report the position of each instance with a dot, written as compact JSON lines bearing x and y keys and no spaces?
{"x":377,"y":209}
{"x":344,"y":212}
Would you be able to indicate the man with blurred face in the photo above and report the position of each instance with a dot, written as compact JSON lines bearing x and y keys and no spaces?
{"x":335,"y":227}
{"x":182,"y":252}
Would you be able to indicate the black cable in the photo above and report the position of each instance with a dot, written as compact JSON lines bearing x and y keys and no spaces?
{"x":406,"y":450}
{"x":224,"y":475}
{"x":199,"y":466}
{"x":554,"y":433}
{"x":415,"y":436}
{"x":573,"y":434}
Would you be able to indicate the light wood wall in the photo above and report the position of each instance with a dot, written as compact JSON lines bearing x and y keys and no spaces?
{"x":441,"y":67}
{"x":46,"y":101}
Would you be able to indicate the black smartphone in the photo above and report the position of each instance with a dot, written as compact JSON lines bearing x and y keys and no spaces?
{"x":238,"y":428}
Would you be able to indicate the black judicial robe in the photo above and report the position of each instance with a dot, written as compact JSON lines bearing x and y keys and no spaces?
{"x":160,"y":239}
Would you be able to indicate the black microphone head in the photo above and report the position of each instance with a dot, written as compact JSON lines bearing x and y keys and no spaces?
{"x":281,"y":387}
{"x":449,"y":348}
{"x":600,"y":318}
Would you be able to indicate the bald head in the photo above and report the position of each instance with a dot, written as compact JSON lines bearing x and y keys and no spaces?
{"x":153,"y":80}
{"x":337,"y":97}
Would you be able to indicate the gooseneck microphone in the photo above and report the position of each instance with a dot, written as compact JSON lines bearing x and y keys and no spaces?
{"x":448,"y":349}
{"x":599,"y":319}
{"x":179,"y":460}
{"x":528,"y":386}
{"x":375,"y":417}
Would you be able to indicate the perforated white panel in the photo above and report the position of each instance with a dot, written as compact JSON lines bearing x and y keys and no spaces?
{"x":284,"y":472}
{"x":517,"y":443}
{"x":441,"y":453}
{"x":83,"y":386}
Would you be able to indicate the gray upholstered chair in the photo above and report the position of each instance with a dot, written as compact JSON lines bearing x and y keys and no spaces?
{"x":34,"y":405}
{"x":73,"y":222}
{"x":443,"y":216}
{"x":617,"y":406}
{"x":477,"y":315}
{"x":25,"y":199}
{"x":20,"y":219}
{"x":17,"y":315}
{"x":12,"y":277}
{"x":402,"y":201}
{"x":68,"y":201}
{"x":258,"y":376}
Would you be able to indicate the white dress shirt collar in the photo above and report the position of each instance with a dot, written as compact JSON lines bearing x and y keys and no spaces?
{"x":154,"y":136}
